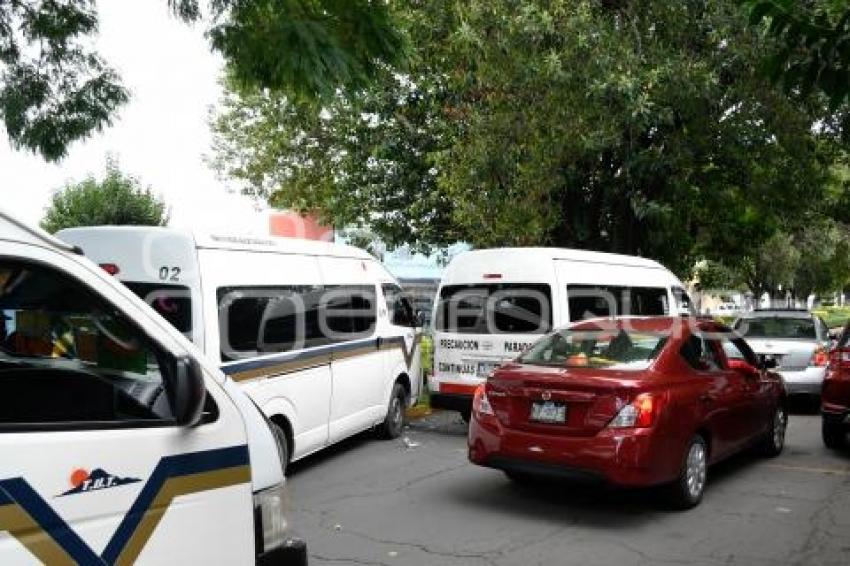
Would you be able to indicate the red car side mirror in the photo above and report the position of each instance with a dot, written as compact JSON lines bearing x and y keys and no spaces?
{"x":743,"y":367}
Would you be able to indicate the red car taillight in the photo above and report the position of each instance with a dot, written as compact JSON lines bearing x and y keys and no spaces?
{"x":839,"y":365}
{"x":640,"y":413}
{"x":480,"y":404}
{"x":819,"y":358}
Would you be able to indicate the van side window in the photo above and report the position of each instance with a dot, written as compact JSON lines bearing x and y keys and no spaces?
{"x":67,"y":357}
{"x":590,"y":301}
{"x":263,"y":320}
{"x":399,"y":309}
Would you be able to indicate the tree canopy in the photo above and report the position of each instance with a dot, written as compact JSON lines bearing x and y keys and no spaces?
{"x":117,"y":199}
{"x":641,"y":127}
{"x":56,"y":89}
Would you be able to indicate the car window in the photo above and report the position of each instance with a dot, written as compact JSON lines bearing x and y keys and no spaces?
{"x":497,"y":308}
{"x":700,"y":353}
{"x":737,"y":349}
{"x":613,"y":349}
{"x":777,"y":327}
{"x":399,"y":308}
{"x":69,"y":357}
{"x":591,"y":301}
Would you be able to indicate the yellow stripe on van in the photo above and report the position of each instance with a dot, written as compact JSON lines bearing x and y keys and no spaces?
{"x":20,"y":525}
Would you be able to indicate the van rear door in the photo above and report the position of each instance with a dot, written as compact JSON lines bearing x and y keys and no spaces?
{"x":101,"y":471}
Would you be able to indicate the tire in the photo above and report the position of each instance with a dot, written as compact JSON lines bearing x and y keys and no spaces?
{"x":773,"y":442}
{"x":283,"y":445}
{"x":834,"y":435}
{"x":394,"y":422}
{"x":520,"y":478}
{"x":687,"y":491}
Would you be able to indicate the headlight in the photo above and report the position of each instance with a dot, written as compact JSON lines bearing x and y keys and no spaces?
{"x":269,"y":518}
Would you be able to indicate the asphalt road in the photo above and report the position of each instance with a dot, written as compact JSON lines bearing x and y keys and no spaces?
{"x":419,"y":502}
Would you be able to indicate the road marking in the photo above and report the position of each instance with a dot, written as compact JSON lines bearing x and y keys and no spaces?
{"x":833,"y":471}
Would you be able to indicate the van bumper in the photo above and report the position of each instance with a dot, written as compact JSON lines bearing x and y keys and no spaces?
{"x":292,"y":553}
{"x":451,"y":402}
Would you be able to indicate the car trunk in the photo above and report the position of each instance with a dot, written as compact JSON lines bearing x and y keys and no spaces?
{"x":592,"y":397}
{"x":790,"y":354}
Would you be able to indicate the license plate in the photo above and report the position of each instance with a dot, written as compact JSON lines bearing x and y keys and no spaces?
{"x":484,"y":368}
{"x":548,"y":412}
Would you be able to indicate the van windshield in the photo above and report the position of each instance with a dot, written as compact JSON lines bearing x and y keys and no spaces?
{"x":173,"y":302}
{"x":496,"y":308}
{"x":613,"y":349}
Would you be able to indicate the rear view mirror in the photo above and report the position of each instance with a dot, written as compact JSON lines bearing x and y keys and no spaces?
{"x":184,"y":387}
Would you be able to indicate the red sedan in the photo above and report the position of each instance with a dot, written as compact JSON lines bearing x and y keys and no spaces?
{"x":835,"y":395}
{"x":631,"y":401}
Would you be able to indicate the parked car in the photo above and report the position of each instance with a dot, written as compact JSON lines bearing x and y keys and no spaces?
{"x":630,"y":401}
{"x":121,"y":442}
{"x":835,"y":396}
{"x":492,"y":304}
{"x":319,"y":335}
{"x":796,"y":340}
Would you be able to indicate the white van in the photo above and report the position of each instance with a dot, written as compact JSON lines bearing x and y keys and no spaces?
{"x":119,"y":442}
{"x":319,"y":335}
{"x":492,"y":304}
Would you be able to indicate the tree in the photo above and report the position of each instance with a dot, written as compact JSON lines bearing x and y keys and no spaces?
{"x":637,"y":127}
{"x":55,"y":89}
{"x":814,"y":44}
{"x":117,"y":199}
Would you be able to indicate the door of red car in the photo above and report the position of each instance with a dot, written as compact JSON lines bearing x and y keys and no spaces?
{"x":724,"y":399}
{"x":740,"y":358}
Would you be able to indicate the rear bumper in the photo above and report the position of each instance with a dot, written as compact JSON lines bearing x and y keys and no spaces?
{"x":808,"y":381}
{"x":627,"y":457}
{"x":451,"y":401}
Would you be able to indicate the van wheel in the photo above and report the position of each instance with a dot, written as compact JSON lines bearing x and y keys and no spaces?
{"x":394,"y":421}
{"x":687,"y":490}
{"x":833,"y":434}
{"x":282,"y":444}
{"x":774,"y":441}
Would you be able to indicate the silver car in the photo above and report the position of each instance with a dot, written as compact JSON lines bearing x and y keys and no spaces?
{"x":796,"y":340}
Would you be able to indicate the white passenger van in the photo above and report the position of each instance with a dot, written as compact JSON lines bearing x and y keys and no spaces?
{"x":319,"y":335}
{"x":119,"y":441}
{"x":492,"y":304}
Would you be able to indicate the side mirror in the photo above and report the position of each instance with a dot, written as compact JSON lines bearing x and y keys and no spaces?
{"x":185,"y":390}
{"x":743,"y":367}
{"x":767,"y":363}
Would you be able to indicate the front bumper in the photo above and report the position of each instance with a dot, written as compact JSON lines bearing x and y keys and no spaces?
{"x":808,"y":381}
{"x":293,"y":552}
{"x":626,"y":457}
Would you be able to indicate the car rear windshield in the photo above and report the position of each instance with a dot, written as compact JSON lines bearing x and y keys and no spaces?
{"x":777,"y":327}
{"x":616,"y":349}
{"x":497,"y":308}
{"x":173,"y":302}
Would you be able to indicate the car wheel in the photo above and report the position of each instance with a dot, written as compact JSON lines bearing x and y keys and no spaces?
{"x":774,"y":441}
{"x":520,"y":478}
{"x":834,"y":435}
{"x":283,"y":446}
{"x":394,"y":421}
{"x":687,"y":490}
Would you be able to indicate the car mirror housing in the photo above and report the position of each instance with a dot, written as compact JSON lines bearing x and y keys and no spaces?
{"x":184,"y":386}
{"x":743,"y":367}
{"x":767,"y":363}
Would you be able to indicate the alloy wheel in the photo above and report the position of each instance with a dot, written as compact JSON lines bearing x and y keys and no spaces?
{"x":696,"y":469}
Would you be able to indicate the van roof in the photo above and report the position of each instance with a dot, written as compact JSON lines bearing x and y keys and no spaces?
{"x":244,"y":242}
{"x":532,"y":254}
{"x":15,"y":229}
